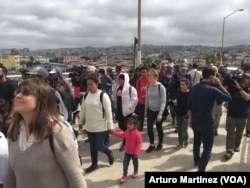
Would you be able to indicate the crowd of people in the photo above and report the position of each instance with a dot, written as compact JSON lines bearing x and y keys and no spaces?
{"x":36,"y":117}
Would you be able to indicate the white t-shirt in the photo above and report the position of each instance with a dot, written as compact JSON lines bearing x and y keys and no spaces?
{"x":4,"y":153}
{"x":195,"y":76}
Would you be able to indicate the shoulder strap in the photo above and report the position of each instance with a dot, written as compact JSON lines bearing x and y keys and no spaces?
{"x":85,"y":95}
{"x":159,"y":88}
{"x":101,"y":99}
{"x":194,"y":76}
{"x":130,"y":91}
{"x":51,"y":143}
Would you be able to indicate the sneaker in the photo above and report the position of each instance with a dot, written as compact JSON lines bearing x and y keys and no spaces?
{"x":248,"y":134}
{"x":159,"y":147}
{"x":121,"y":148}
{"x":123,"y":179}
{"x":178,"y":147}
{"x":91,"y":168}
{"x":196,"y":163}
{"x":150,"y":148}
{"x":228,"y":155}
{"x":135,"y":175}
{"x":111,"y":158}
{"x":185,"y":144}
{"x":215,"y":133}
{"x":237,"y":149}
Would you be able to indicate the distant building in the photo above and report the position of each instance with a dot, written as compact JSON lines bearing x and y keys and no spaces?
{"x":11,"y":61}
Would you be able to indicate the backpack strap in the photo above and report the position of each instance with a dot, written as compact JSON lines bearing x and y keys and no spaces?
{"x":159,"y":88}
{"x":51,"y":143}
{"x":130,"y":87}
{"x":85,"y":95}
{"x":194,"y":76}
{"x":101,"y":99}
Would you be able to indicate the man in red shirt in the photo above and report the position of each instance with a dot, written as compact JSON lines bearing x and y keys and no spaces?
{"x":141,"y":87}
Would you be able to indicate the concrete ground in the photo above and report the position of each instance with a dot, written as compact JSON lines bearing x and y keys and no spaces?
{"x":166,"y":160}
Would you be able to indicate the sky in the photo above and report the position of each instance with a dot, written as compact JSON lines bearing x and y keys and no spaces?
{"x":50,"y":24}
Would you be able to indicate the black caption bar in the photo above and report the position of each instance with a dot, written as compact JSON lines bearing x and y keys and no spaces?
{"x":215,"y":179}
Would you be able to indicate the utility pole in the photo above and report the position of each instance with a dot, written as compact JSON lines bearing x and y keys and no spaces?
{"x":223,"y":28}
{"x":138,"y":62}
{"x":135,"y":43}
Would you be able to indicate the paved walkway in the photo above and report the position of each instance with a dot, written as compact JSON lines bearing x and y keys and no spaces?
{"x":168,"y":159}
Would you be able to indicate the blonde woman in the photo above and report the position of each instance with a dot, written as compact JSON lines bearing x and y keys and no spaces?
{"x":154,"y":108}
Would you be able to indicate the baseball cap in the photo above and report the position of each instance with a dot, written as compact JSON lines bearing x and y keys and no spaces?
{"x":40,"y":71}
{"x":53,"y":71}
{"x":182,"y":66}
{"x":91,"y":68}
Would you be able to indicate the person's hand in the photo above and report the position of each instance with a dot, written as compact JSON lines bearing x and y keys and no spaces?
{"x":226,"y":105}
{"x":111,"y":131}
{"x":190,"y":122}
{"x":237,"y":85}
{"x":216,"y":81}
{"x":145,"y":114}
{"x":159,"y":117}
{"x":135,"y":156}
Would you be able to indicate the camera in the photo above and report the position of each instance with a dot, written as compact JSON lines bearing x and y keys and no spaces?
{"x":232,"y":76}
{"x":77,"y":71}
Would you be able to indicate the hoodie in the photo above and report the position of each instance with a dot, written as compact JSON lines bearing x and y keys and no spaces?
{"x":129,"y":100}
{"x":61,"y":77}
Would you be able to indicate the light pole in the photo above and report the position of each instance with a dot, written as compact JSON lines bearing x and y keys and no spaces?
{"x":223,"y":28}
{"x":138,"y":62}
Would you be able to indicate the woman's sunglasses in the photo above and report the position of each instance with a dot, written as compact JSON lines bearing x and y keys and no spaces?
{"x":23,"y":91}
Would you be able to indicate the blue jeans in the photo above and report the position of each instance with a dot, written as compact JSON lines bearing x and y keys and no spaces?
{"x":96,"y":142}
{"x":182,"y":127}
{"x":152,"y":115}
{"x":126,"y":160}
{"x":203,"y":134}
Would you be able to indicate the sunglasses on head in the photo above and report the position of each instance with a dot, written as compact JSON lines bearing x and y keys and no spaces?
{"x":23,"y":91}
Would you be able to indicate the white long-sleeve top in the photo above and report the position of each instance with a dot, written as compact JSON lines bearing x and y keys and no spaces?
{"x":92,"y":114}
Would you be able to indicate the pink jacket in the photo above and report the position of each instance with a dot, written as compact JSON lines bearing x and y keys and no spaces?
{"x":133,"y":144}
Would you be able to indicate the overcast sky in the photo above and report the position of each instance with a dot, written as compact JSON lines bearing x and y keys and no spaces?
{"x":46,"y":24}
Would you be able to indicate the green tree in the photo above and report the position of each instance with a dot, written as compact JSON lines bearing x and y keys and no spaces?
{"x":147,"y":62}
{"x":14,"y":51}
{"x":32,"y":59}
{"x":212,"y":58}
{"x":179,"y":61}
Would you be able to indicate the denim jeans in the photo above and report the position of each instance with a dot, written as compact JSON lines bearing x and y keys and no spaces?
{"x":96,"y":142}
{"x":126,"y":161}
{"x":203,"y":134}
{"x":152,"y":115}
{"x":182,"y":127}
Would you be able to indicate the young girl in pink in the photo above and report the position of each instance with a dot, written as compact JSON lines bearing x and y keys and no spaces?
{"x":133,"y":146}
